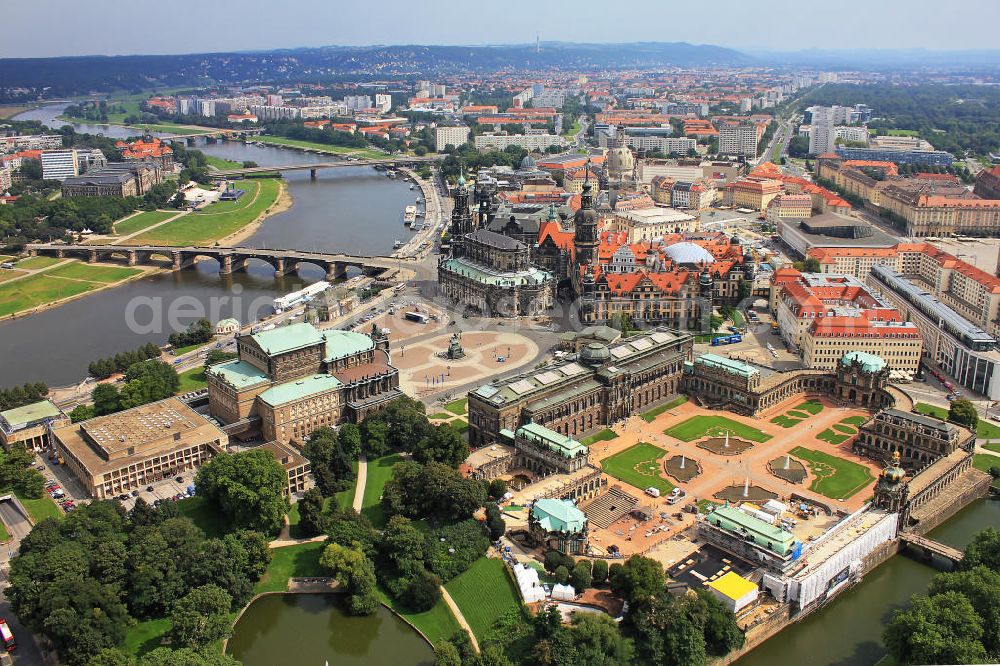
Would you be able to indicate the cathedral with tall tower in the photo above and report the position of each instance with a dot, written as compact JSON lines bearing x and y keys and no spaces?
{"x":487,"y":272}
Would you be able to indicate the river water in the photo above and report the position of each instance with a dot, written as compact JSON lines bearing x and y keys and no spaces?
{"x":355,"y":210}
{"x":848,"y":632}
{"x":312,"y":629}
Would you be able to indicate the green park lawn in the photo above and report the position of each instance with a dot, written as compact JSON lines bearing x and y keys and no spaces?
{"x":379,"y":472}
{"x":436,"y":624}
{"x":440,"y":416}
{"x":714,"y":426}
{"x":322,"y":147}
{"x":832,"y":436}
{"x":984,"y":429}
{"x":651,"y":415}
{"x":193,"y":379}
{"x":36,"y":290}
{"x":217,"y":220}
{"x":983,"y":462}
{"x":208,"y":518}
{"x":836,"y":478}
{"x":484,"y":593}
{"x":298,"y":561}
{"x":4,"y":534}
{"x":142,"y":220}
{"x":605,"y":435}
{"x":992,"y":446}
{"x":146,"y":636}
{"x":41,"y":508}
{"x":460,"y":426}
{"x":459,"y":407}
{"x":638,"y":466}
{"x":92,"y":272}
{"x":34,"y":263}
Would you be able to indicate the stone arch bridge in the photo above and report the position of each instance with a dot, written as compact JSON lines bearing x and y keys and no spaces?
{"x":230,"y":258}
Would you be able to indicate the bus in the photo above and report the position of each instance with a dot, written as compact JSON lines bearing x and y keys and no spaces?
{"x":7,"y":636}
{"x":727,"y":339}
{"x":418,"y":317}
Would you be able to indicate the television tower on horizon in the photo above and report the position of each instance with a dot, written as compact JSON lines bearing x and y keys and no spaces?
{"x":538,"y":44}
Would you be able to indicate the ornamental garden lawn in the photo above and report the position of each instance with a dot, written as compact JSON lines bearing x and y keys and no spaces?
{"x":836,"y":478}
{"x":638,"y":466}
{"x":697,"y":427}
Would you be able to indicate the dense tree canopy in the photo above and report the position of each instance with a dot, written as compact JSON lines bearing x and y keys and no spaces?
{"x":247,"y":487}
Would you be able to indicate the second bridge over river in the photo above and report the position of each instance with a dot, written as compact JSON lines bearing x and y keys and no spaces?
{"x":230,"y":258}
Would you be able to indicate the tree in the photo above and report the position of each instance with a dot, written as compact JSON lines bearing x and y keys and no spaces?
{"x":248,"y":487}
{"x":983,"y":550}
{"x":422,"y":592}
{"x":497,"y":489}
{"x":434,"y":489}
{"x":200,"y":617}
{"x":598,"y":641}
{"x":311,"y":518}
{"x":402,"y":551}
{"x":82,"y":413}
{"x":943,"y":629}
{"x":442,"y":444}
{"x":354,"y":572}
{"x":639,"y":577}
{"x":964,"y":413}
{"x":562,"y":574}
{"x":186,"y":657}
{"x":494,"y":522}
{"x":446,"y":654}
{"x":981,"y":586}
{"x":331,"y":463}
{"x":722,"y":633}
{"x":582,"y":576}
{"x":106,"y":399}
{"x":600,"y":572}
{"x":111,"y":657}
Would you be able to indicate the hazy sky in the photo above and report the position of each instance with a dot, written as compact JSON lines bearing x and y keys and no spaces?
{"x":112,"y":27}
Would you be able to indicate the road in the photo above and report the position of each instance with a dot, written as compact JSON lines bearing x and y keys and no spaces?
{"x":27,"y":652}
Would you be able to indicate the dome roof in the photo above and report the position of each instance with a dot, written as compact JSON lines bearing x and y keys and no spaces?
{"x":735,"y":240}
{"x":528,"y":162}
{"x":689,"y":253}
{"x":595,"y":353}
{"x":869,"y":362}
{"x":894,"y":473}
{"x":620,"y":162}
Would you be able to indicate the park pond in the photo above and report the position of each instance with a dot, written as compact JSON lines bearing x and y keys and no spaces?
{"x":313,"y":629}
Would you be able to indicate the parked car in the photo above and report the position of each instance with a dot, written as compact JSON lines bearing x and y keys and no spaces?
{"x":179,"y":479}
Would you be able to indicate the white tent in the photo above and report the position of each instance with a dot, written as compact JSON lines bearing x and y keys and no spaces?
{"x":528,"y":583}
{"x":563,"y":592}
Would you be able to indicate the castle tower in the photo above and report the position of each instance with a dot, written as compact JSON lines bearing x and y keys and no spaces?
{"x":461,"y":217}
{"x":585,"y":239}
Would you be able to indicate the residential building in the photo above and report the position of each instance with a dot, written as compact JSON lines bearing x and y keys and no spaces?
{"x":450,"y":135}
{"x":115,"y":454}
{"x":898,"y":343}
{"x":266,"y":112}
{"x":988,"y":183}
{"x":29,"y":426}
{"x":739,"y":139}
{"x":788,"y":207}
{"x":539,"y":142}
{"x":666,"y":145}
{"x":852,"y":134}
{"x":6,"y":179}
{"x":383,"y":103}
{"x":928,"y":157}
{"x":60,"y":164}
{"x":651,"y":223}
{"x":753,"y":192}
{"x":822,"y":132}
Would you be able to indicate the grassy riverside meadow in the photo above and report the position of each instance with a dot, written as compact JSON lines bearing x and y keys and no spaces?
{"x":639,"y":466}
{"x":321,"y":147}
{"x":140,"y":221}
{"x":217,"y":220}
{"x":53,"y":284}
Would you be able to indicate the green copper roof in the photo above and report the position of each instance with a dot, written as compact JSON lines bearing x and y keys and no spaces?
{"x":869,"y":362}
{"x":36,"y":411}
{"x":345,"y":343}
{"x":556,"y":515}
{"x":287,"y":338}
{"x":762,"y":533}
{"x":238,"y":374}
{"x":729,"y":365}
{"x":300,"y":388}
{"x":484,"y":275}
{"x":565,"y":446}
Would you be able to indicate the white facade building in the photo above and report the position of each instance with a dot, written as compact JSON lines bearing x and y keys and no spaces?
{"x":454,"y":135}
{"x":823,"y":135}
{"x":60,"y":164}
{"x":738,"y":140}
{"x":526,"y":141}
{"x":662,"y":144}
